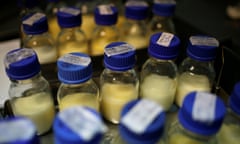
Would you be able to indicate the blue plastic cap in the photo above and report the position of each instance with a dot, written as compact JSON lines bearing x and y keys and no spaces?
{"x":202,"y":48}
{"x":35,"y":23}
{"x":205,"y":128}
{"x":106,"y":15}
{"x":234,"y":99}
{"x":21,"y":63}
{"x":164,"y":7}
{"x":151,"y":135}
{"x":69,"y":17}
{"x":74,"y":68}
{"x":63,"y":134}
{"x":13,"y":126}
{"x":164,"y":46}
{"x":120,"y":62}
{"x":137,"y":10}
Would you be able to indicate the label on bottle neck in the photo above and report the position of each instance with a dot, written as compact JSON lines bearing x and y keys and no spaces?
{"x":120,"y":49}
{"x":12,"y":131}
{"x":204,"y":41}
{"x":165,"y":1}
{"x":84,"y":123}
{"x":141,"y":116}
{"x":105,"y":9}
{"x":204,"y":107}
{"x":75,"y":59}
{"x":71,"y":11}
{"x":165,"y":39}
{"x":34,"y":18}
{"x":136,"y":3}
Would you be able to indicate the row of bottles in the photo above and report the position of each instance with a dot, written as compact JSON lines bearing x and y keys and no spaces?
{"x":60,"y":29}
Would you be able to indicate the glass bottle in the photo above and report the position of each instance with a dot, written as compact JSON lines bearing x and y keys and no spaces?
{"x":158,"y":79}
{"x":77,"y":86}
{"x":230,"y":130}
{"x":161,"y":21}
{"x":199,"y":120}
{"x":38,"y":38}
{"x":134,"y":29}
{"x":105,"y":31}
{"x":51,"y":10}
{"x":142,"y":122}
{"x":12,"y":131}
{"x":196,"y":71}
{"x":78,"y":125}
{"x":30,"y":93}
{"x":119,"y":81}
{"x":71,"y":38}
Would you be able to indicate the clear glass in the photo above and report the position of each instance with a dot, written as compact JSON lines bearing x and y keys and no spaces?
{"x":44,"y":45}
{"x":101,"y":37}
{"x":116,"y":89}
{"x":72,"y":40}
{"x":33,"y":98}
{"x":85,"y":94}
{"x":230,"y":130}
{"x":179,"y":135}
{"x":159,"y":81}
{"x":134,"y":32}
{"x":160,"y":24}
{"x":194,"y":76}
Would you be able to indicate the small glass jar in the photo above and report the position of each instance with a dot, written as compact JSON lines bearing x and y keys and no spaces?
{"x":71,"y":38}
{"x":119,"y":82}
{"x":230,"y":130}
{"x":38,"y":38}
{"x":199,"y":120}
{"x":142,"y":122}
{"x":196,"y":71}
{"x":12,"y":131}
{"x":77,"y":86}
{"x":78,"y":125}
{"x":30,"y":93}
{"x":158,"y":79}
{"x":134,"y":28}
{"x":105,"y":31}
{"x":161,"y":20}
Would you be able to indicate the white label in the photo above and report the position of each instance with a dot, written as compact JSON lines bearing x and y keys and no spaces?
{"x":71,"y":11}
{"x":18,"y":55}
{"x":75,"y":60}
{"x":82,"y":122}
{"x":105,"y":9}
{"x":165,"y":1}
{"x":34,"y":18}
{"x":165,"y":39}
{"x":141,"y":116}
{"x":204,"y":41}
{"x":136,"y":3}
{"x":204,"y":107}
{"x":13,"y":130}
{"x":124,"y":48}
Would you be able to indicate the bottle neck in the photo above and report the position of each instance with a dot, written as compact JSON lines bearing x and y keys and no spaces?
{"x":29,"y":80}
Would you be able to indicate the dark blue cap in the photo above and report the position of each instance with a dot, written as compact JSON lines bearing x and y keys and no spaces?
{"x":151,"y":135}
{"x":120,"y":62}
{"x":234,"y":99}
{"x":28,"y":3}
{"x":202,"y":48}
{"x":164,"y":7}
{"x":137,"y":10}
{"x":106,"y":15}
{"x":202,"y":127}
{"x":13,"y":126}
{"x":35,"y":23}
{"x":74,"y":68}
{"x":21,"y":63}
{"x":64,"y":134}
{"x":69,"y":17}
{"x":164,"y":46}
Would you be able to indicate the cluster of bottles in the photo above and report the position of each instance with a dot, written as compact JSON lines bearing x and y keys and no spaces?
{"x":136,"y":102}
{"x":88,"y":26}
